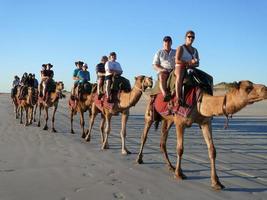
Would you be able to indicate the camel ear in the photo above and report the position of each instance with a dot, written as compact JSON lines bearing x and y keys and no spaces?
{"x":135,"y":78}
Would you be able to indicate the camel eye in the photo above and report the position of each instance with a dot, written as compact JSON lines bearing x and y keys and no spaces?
{"x":249,"y":89}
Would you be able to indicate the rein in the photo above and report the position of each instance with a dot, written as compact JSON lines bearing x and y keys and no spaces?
{"x":226,"y":124}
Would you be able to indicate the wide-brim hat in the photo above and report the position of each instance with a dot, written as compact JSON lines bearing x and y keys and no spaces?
{"x":49,"y":64}
{"x":79,"y":62}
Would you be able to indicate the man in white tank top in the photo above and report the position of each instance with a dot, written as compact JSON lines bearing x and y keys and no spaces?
{"x":164,"y":63}
{"x":186,"y":57}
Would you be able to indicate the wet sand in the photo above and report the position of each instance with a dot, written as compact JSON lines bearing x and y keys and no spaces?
{"x":37,"y":164}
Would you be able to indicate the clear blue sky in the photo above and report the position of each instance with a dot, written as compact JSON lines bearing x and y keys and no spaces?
{"x":231,"y":36}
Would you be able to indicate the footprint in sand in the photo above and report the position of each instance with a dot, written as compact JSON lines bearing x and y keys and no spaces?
{"x":111,"y":172}
{"x":144,"y":190}
{"x":118,"y":195}
{"x":78,"y":189}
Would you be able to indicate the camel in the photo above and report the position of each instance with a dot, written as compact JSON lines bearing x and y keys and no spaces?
{"x":52,"y":100}
{"x":242,"y":94}
{"x":26,"y":104}
{"x":81,"y":105}
{"x":126,"y":101}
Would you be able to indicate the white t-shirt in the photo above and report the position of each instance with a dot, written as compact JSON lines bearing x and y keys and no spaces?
{"x":112,"y":66}
{"x":165,"y":59}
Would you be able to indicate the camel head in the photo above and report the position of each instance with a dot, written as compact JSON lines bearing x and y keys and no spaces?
{"x":250,"y":92}
{"x":59,"y":86}
{"x":143,"y":82}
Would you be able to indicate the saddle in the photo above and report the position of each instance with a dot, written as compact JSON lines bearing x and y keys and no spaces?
{"x":192,"y":78}
{"x":120,"y":83}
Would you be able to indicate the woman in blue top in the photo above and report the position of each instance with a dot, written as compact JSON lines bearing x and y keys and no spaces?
{"x":83,"y":75}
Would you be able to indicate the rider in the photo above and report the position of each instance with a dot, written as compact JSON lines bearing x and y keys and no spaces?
{"x":186,"y":57}
{"x":112,"y":68}
{"x":15,"y":83}
{"x":83,"y":75}
{"x":46,"y":75}
{"x":23,"y":84}
{"x":164,"y":63}
{"x":100,"y":72}
{"x":78,"y":65}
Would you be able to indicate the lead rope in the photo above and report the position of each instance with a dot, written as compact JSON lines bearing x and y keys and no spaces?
{"x":226,"y":124}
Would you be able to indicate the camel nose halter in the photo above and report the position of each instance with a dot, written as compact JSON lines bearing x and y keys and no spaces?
{"x":226,"y":124}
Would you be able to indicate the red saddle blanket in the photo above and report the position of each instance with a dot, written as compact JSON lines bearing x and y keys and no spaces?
{"x":103,"y":103}
{"x":171,"y":107}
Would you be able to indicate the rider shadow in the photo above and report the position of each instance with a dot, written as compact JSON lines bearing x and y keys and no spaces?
{"x":248,"y":190}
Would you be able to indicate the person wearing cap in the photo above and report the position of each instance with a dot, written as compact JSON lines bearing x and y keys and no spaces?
{"x":186,"y":57}
{"x":112,"y":68}
{"x":100,"y":72}
{"x":78,"y":65}
{"x":164,"y":63}
{"x":83,"y":75}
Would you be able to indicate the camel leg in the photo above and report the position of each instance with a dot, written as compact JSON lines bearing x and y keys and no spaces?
{"x":102,"y":127}
{"x":91,"y":122}
{"x":21,"y":114}
{"x":107,"y":131}
{"x":179,"y":175}
{"x":148,"y":123}
{"x":27,"y":116}
{"x":124,"y":118}
{"x":207,"y":134}
{"x":40,"y":112}
{"x":53,"y":119}
{"x":46,"y":118}
{"x":166,"y":125}
{"x":71,"y":120}
{"x":82,"y":123}
{"x":35,"y":110}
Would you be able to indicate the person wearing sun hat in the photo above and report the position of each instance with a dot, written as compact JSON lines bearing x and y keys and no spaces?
{"x":83,"y":75}
{"x":78,"y":68}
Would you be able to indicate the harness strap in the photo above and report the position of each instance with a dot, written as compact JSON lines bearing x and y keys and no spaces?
{"x":226,"y":124}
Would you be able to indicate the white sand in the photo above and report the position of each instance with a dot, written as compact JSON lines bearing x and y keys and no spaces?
{"x":37,"y":164}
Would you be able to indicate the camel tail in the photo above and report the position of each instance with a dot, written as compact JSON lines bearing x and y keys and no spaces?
{"x":157,"y":120}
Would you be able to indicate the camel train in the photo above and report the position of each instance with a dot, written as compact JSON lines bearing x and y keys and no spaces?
{"x":203,"y":109}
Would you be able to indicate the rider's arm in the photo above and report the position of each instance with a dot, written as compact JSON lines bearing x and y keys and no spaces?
{"x":156,"y":63}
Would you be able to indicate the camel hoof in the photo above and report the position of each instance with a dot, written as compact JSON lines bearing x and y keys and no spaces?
{"x":180,"y":176}
{"x":39,"y":124}
{"x":125,"y":152}
{"x":45,"y":128}
{"x":54,"y":130}
{"x":217,"y":186}
{"x":171,"y":168}
{"x":21,"y":122}
{"x":139,"y":160}
{"x":88,"y":138}
{"x":105,"y":146}
{"x":72,"y":131}
{"x":83,"y":135}
{"x":34,"y":120}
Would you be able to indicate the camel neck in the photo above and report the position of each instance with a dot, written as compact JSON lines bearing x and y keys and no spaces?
{"x":130,"y":99}
{"x":212,"y":105}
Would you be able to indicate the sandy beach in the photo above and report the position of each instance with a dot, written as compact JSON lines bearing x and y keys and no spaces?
{"x":40,"y":165}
